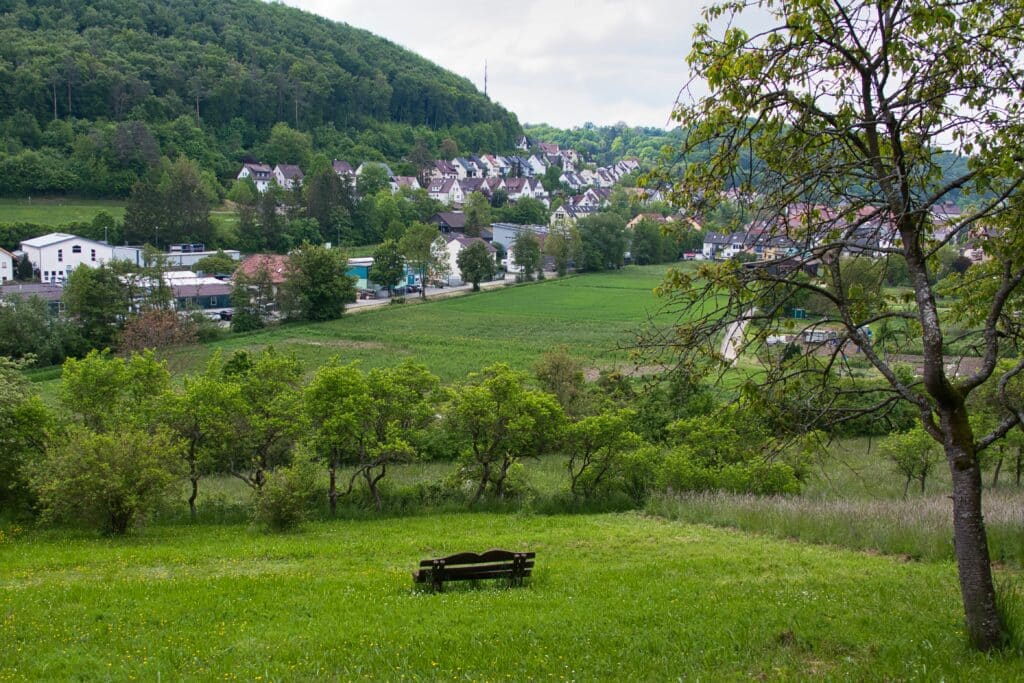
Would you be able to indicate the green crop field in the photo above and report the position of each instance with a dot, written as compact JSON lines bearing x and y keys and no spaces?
{"x":595,"y":317}
{"x":614,"y":597}
{"x":57,"y":211}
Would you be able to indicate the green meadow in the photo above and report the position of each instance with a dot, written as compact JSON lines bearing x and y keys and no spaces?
{"x":614,"y":597}
{"x":57,"y":211}
{"x":594,"y":317}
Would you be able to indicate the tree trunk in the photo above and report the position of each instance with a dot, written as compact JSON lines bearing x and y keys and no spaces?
{"x":984,"y":626}
{"x":484,"y":478}
{"x":906,"y":488}
{"x":54,"y":100}
{"x":192,"y":498}
{"x":332,"y":492}
{"x":995,"y":475}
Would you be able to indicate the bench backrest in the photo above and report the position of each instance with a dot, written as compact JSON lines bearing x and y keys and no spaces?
{"x":490,"y":556}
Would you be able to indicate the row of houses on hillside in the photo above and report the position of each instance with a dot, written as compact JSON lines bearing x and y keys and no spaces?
{"x":456,"y":191}
{"x":603,"y":177}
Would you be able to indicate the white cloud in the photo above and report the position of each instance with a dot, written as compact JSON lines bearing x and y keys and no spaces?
{"x":551,"y":61}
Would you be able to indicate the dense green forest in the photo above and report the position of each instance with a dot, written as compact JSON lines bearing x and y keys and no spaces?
{"x":92,"y":94}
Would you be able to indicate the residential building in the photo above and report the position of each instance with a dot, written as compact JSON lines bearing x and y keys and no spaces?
{"x":408,"y":182}
{"x":715,"y":246}
{"x":288,"y":176}
{"x":261,"y":175}
{"x":343,"y":168}
{"x":455,"y":244}
{"x":450,"y":221}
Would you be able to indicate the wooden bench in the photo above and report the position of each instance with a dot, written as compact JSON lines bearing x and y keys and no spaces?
{"x":493,"y":564}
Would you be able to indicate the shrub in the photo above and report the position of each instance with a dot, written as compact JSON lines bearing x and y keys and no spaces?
{"x":110,"y":480}
{"x":289,"y":496}
{"x":639,"y":474}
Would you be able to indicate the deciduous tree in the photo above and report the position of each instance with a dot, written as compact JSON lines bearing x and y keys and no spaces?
{"x":388,"y":267}
{"x":836,"y":114}
{"x":498,"y":421}
{"x":317,"y":285}
{"x":476,"y":264}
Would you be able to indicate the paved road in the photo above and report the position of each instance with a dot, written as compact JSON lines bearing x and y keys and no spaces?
{"x":432,"y":293}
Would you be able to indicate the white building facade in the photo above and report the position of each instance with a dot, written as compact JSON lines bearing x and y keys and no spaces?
{"x":7,"y":265}
{"x":54,"y":256}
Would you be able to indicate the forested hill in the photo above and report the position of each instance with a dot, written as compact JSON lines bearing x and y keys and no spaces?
{"x":100,"y":88}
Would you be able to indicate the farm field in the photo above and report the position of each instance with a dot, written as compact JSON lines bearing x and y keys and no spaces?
{"x":614,"y":597}
{"x":61,"y":211}
{"x":593,"y":316}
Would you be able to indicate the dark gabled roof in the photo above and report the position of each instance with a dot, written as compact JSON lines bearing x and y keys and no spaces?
{"x":717,"y":238}
{"x":291,"y":171}
{"x":455,"y":220}
{"x":342,"y":167}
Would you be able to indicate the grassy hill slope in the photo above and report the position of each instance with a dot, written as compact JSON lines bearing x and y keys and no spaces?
{"x":614,"y":597}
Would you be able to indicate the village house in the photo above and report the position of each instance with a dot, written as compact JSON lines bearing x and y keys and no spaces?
{"x":440,"y":189}
{"x":343,"y":168}
{"x":55,"y":255}
{"x":442,"y":170}
{"x":7,"y":265}
{"x":567,"y":213}
{"x":408,"y":182}
{"x":714,"y":246}
{"x":449,"y":221}
{"x":454,"y":245}
{"x":537,"y":165}
{"x":288,"y":176}
{"x":261,"y":175}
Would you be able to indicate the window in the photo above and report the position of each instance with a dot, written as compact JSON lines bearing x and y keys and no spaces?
{"x":93,"y":254}
{"x":213,"y":301}
{"x":60,"y":256}
{"x":77,"y":249}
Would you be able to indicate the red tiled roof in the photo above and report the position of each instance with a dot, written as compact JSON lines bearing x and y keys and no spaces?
{"x":275,"y":264}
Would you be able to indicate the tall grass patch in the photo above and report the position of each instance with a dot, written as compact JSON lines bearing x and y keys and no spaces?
{"x":919,"y":528}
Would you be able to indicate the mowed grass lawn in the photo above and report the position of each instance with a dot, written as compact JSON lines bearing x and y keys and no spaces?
{"x":57,"y":211}
{"x":594,"y":316}
{"x":615,"y":597}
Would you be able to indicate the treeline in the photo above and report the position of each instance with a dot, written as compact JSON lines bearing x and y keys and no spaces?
{"x":127,"y":440}
{"x":92,"y":94}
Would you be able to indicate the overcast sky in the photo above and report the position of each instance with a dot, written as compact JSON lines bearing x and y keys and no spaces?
{"x":557,"y":61}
